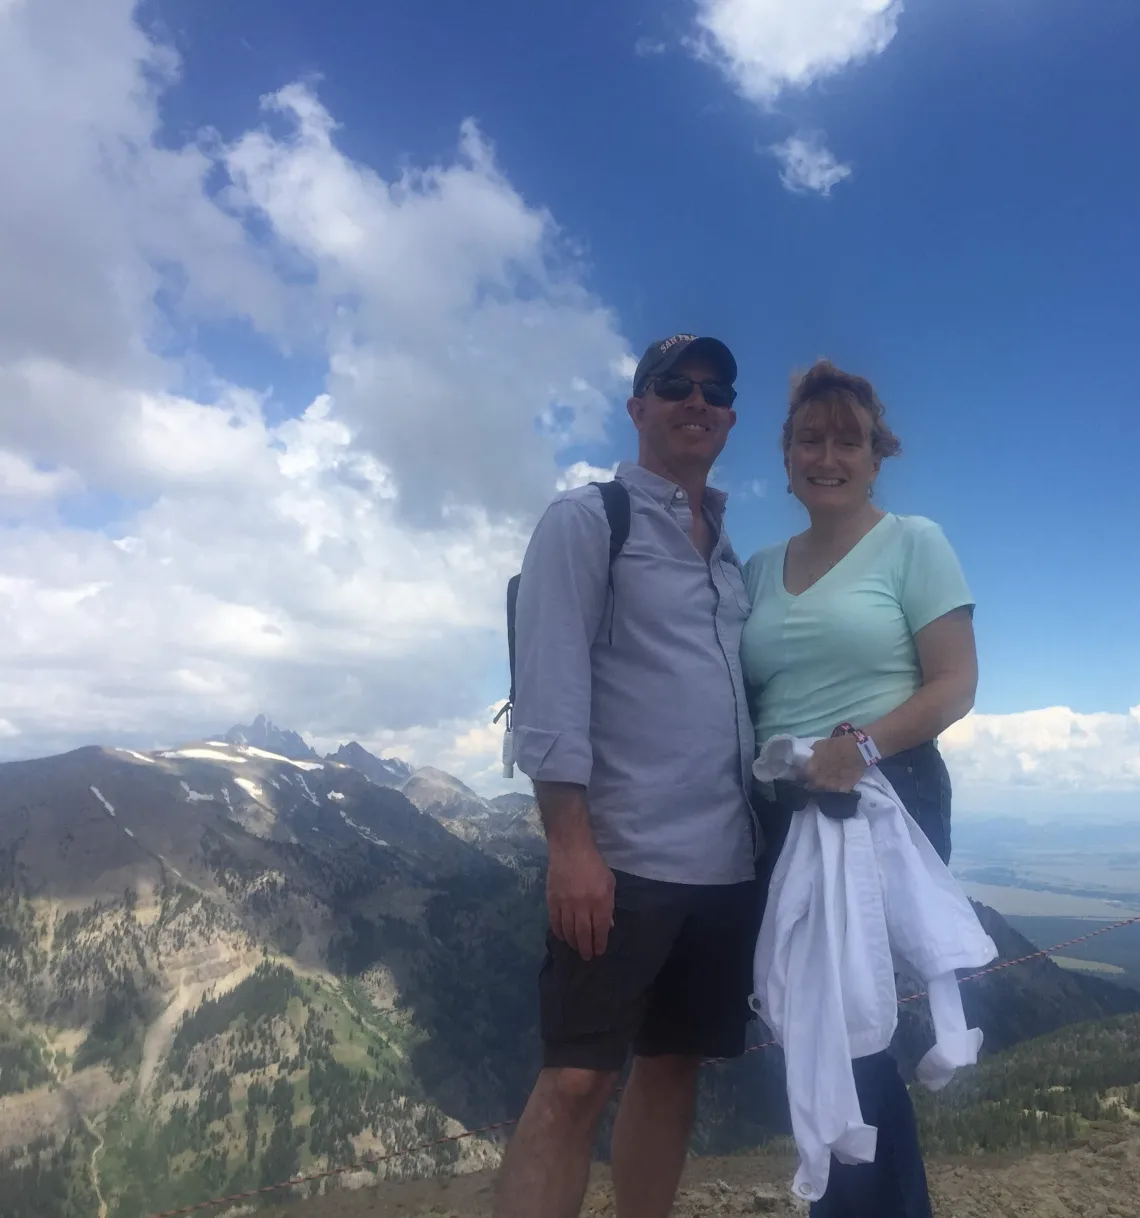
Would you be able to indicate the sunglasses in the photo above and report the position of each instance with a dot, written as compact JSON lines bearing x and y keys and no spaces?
{"x":678,"y":388}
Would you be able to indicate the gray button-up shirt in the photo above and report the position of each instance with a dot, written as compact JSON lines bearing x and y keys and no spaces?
{"x":654,"y":724}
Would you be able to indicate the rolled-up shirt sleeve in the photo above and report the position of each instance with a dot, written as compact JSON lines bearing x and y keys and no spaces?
{"x":561,"y":599}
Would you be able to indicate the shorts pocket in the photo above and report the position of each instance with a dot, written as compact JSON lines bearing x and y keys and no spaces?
{"x":583,"y":999}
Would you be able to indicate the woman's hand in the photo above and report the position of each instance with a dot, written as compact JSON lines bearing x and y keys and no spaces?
{"x":835,"y":764}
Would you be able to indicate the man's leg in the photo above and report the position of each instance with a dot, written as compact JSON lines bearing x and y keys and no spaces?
{"x":547,"y":1164}
{"x":651,"y":1134}
{"x":590,"y":1012}
{"x":698,"y":1008}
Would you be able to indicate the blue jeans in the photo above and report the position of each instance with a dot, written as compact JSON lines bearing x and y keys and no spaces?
{"x":894,"y":1185}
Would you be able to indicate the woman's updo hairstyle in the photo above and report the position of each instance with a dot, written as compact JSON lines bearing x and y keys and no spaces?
{"x":832,"y":396}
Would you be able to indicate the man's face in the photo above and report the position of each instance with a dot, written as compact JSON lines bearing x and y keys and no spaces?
{"x":688,"y":431}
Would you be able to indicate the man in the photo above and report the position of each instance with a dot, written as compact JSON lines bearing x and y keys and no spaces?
{"x":630,"y":716}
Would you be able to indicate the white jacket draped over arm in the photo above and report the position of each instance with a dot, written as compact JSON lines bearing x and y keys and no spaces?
{"x":848,"y":899}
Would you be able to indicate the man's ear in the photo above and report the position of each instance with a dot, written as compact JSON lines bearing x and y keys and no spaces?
{"x":636,"y":408}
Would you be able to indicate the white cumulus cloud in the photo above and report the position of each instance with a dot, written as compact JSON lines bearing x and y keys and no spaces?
{"x":581,"y":473}
{"x":1042,"y":763}
{"x":23,"y":486}
{"x":1054,"y":749}
{"x":1054,"y":761}
{"x":199,"y":550}
{"x":807,"y":164}
{"x":766,"y":46}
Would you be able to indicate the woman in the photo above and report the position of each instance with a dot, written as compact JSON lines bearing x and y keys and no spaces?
{"x":862,"y":621}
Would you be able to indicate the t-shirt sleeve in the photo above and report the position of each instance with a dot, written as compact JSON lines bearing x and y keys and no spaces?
{"x":933,"y":582}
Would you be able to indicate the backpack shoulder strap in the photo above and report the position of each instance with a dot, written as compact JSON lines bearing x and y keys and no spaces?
{"x":512,"y":605}
{"x":615,"y":500}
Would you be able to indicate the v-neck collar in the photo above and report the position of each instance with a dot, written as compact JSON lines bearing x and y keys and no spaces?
{"x":782,"y":575}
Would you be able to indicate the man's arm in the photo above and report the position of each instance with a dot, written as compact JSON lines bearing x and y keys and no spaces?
{"x":579,"y":885}
{"x":561,"y":599}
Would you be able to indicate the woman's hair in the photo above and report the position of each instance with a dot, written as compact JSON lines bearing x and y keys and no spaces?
{"x":837,"y":393}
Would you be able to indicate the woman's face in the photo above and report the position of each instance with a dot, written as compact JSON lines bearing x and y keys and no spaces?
{"x":831,"y":466}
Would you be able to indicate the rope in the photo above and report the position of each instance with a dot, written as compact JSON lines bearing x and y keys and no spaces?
{"x":1049,"y":951}
{"x":373,"y":1161}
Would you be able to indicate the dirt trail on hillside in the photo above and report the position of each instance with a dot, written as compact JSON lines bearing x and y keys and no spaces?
{"x":1099,"y":1180}
{"x":47,"y":1109}
{"x":95,"y":1153}
{"x":217,"y":967}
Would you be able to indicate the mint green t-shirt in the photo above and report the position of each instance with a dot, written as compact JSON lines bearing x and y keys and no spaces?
{"x":843,"y":651}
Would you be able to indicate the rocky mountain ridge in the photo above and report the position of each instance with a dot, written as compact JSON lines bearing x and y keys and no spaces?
{"x":384,"y":771}
{"x":507,"y":827}
{"x":264,"y":734}
{"x":190,"y":935}
{"x":221,"y":965}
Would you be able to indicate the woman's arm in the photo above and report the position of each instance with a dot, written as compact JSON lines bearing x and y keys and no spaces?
{"x":948,"y":660}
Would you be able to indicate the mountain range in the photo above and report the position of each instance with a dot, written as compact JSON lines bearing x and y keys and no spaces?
{"x":228,"y":962}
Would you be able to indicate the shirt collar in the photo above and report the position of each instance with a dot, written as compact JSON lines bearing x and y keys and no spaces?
{"x":664,"y":490}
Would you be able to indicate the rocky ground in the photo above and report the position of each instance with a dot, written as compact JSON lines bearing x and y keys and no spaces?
{"x":1100,"y":1179}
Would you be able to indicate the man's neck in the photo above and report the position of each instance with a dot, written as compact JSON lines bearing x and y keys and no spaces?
{"x":691,"y":479}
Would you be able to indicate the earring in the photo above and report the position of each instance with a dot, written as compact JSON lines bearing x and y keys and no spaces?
{"x":789,"y":488}
{"x":870,"y":490}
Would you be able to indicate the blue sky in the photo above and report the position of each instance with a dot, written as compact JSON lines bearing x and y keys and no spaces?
{"x":964,"y":232}
{"x":978,"y":264}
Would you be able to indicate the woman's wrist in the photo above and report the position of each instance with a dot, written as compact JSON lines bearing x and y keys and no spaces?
{"x":868,"y":749}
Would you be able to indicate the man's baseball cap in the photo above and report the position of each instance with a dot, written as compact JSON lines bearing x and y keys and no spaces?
{"x":665,"y":353}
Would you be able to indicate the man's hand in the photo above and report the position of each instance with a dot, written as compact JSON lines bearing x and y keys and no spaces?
{"x":580,"y":898}
{"x":835,"y":764}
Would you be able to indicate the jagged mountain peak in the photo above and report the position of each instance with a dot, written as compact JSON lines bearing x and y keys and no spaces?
{"x":263,"y":733}
{"x":384,"y":771}
{"x":518,"y":802}
{"x":429,"y":775}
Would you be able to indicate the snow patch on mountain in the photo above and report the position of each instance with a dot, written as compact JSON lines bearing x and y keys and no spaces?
{"x":137,"y":756}
{"x":198,"y":754}
{"x":102,"y":799}
{"x":367,"y":834}
{"x":193,"y":796}
{"x":251,"y":788}
{"x":253,"y":751}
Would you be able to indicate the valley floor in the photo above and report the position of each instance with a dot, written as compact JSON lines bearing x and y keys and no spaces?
{"x":1098,"y":1180}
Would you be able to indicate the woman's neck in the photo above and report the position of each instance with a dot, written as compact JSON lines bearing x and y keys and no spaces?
{"x":831,"y":531}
